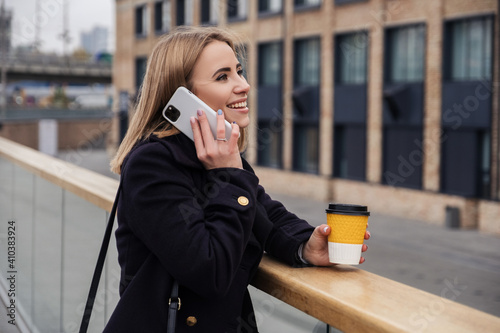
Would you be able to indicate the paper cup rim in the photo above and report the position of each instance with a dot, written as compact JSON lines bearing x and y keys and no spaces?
{"x":347,"y":209}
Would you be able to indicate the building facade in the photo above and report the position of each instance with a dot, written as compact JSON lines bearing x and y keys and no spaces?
{"x":388,"y":103}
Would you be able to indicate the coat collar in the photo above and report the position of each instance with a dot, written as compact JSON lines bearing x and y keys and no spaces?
{"x":183,"y":150}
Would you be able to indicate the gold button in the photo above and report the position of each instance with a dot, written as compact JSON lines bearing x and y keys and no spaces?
{"x":191,"y":321}
{"x":243,"y":201}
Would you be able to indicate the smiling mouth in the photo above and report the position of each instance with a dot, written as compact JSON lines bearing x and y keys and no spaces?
{"x":240,"y":105}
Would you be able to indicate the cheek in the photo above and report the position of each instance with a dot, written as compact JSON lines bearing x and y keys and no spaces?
{"x":213,"y":98}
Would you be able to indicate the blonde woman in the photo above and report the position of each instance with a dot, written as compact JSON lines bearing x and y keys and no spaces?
{"x":194,"y":211}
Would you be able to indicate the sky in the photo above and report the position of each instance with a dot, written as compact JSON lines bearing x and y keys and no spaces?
{"x":82,"y":16}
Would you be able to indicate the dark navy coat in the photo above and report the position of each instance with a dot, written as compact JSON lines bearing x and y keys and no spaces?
{"x":206,"y":229}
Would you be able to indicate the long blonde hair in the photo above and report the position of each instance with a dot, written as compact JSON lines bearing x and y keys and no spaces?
{"x":170,"y":66}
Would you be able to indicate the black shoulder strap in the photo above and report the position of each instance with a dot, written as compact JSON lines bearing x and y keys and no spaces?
{"x":99,"y":266}
{"x":174,"y":304}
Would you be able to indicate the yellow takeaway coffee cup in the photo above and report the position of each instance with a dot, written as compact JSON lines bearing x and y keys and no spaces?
{"x":348,"y":225}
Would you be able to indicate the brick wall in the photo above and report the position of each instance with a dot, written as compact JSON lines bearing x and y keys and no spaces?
{"x":72,"y":134}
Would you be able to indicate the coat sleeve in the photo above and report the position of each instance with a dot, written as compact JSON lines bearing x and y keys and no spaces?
{"x":287,"y":232}
{"x":284,"y":231}
{"x":199,"y":237}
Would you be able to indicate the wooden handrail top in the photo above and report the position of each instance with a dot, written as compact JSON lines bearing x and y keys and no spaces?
{"x":343,"y":296}
{"x":91,"y":186}
{"x":354,"y":300}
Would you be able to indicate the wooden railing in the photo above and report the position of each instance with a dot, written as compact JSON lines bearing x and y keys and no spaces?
{"x":345,"y":297}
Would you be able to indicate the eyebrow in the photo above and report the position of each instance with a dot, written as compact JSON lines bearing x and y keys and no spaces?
{"x":226,"y":69}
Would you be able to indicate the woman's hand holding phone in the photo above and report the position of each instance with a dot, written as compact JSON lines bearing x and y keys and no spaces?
{"x":219,"y":152}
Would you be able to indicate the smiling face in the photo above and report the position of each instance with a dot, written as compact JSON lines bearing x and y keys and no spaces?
{"x":217,"y":79}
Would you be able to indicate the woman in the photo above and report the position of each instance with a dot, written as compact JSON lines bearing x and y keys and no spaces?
{"x":196,"y":212}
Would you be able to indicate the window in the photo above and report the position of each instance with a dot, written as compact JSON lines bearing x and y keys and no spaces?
{"x":406,"y":47}
{"x":484,"y":181}
{"x":306,"y":104}
{"x":241,"y":55}
{"x":270,"y":6}
{"x":141,"y":21}
{"x":270,"y":64}
{"x":184,"y":12}
{"x":403,"y":111}
{"x":466,"y":163}
{"x":350,"y":152}
{"x":237,"y":9}
{"x":140,"y":70}
{"x":307,"y":3}
{"x":306,"y":142}
{"x":270,"y":113}
{"x":269,"y":140}
{"x":162,"y":16}
{"x":350,"y":103}
{"x":307,"y":62}
{"x":351,"y":53}
{"x":471,"y":51}
{"x":209,"y":12}
{"x":467,"y":107}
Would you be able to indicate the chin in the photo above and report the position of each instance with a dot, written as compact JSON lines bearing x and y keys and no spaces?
{"x":243,"y":123}
{"x":242,"y":120}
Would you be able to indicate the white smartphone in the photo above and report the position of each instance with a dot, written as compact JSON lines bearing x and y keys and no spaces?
{"x":183,"y":105}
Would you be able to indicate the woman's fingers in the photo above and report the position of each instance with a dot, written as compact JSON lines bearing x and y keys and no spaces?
{"x":221,"y":128}
{"x":235,"y":134}
{"x":211,"y":152}
{"x":206,"y":132}
{"x":197,"y":137}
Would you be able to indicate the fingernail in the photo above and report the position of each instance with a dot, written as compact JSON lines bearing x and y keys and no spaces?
{"x":234,"y":122}
{"x":219,"y":112}
{"x":192,"y":120}
{"x":325,"y":229}
{"x":369,"y":234}
{"x":200,"y":112}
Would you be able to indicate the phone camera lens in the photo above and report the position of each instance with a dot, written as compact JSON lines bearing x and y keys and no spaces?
{"x":172,"y":113}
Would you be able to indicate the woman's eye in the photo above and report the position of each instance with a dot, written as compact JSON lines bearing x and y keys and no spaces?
{"x":240,"y":72}
{"x":222,"y":77}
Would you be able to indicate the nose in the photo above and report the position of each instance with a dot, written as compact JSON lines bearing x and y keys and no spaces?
{"x":242,"y":86}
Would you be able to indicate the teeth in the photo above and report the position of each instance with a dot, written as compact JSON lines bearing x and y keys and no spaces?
{"x":238,"y":105}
